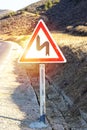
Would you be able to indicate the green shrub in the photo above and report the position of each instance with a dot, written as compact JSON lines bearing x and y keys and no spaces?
{"x":26,"y":9}
{"x":12,"y":13}
{"x":48,"y":4}
{"x":56,"y":1}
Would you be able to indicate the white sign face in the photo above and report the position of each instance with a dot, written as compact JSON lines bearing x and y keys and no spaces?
{"x":42,"y":48}
{"x":34,"y":52}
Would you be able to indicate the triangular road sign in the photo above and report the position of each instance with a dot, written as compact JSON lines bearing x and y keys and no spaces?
{"x":42,"y":48}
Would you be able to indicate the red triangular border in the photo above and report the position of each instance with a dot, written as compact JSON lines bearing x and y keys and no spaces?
{"x":60,"y":59}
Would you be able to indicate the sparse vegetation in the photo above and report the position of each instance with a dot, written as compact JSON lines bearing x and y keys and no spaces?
{"x":37,"y":13}
{"x":8,"y":15}
{"x":45,"y":6}
{"x":12,"y":13}
{"x":48,"y":4}
{"x":56,"y":1}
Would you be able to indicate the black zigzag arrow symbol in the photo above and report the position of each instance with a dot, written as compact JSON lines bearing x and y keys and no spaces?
{"x":40,"y":47}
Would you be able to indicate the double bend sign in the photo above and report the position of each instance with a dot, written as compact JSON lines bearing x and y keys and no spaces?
{"x":42,"y":48}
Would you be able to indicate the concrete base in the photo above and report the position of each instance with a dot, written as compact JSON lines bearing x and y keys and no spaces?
{"x":38,"y":124}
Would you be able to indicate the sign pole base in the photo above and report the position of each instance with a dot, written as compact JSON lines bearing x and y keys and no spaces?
{"x":37,"y":125}
{"x":42,"y":118}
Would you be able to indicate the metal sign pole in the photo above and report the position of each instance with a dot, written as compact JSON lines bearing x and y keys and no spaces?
{"x":41,"y":122}
{"x":42,"y":93}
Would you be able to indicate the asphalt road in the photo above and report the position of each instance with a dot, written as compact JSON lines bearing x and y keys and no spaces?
{"x":4,"y":51}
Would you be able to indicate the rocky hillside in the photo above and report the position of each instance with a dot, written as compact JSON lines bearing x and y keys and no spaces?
{"x":70,"y":16}
{"x":20,"y":23}
{"x":4,"y":13}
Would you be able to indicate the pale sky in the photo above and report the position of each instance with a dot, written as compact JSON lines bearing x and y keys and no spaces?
{"x":15,"y":4}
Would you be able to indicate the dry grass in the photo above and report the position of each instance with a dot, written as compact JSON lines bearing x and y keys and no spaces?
{"x":61,"y":39}
{"x":21,"y":39}
{"x":68,"y":40}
